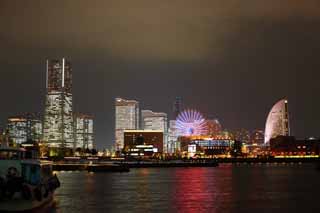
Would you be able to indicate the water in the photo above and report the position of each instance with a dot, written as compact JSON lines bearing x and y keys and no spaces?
{"x":227,"y":188}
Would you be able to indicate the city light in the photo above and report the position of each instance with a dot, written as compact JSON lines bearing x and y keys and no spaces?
{"x":191,"y":122}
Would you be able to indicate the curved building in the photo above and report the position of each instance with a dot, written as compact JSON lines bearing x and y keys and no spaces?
{"x":277,"y":121}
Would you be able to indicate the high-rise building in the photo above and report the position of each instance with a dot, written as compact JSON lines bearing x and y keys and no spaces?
{"x":23,"y":128}
{"x":84,"y":131}
{"x":278,"y":121}
{"x":177,"y":107}
{"x":155,"y":121}
{"x":173,"y":135}
{"x":58,"y":126}
{"x":126,"y":118}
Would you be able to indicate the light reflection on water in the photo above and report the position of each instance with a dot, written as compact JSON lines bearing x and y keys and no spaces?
{"x":228,"y":188}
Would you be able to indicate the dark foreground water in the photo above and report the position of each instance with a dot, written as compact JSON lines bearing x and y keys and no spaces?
{"x":227,"y":188}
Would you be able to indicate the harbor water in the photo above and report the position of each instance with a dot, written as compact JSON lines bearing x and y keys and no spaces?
{"x":227,"y":188}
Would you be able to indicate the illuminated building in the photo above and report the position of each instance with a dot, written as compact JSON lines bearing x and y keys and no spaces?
{"x":257,"y":137}
{"x":207,"y":146}
{"x":214,"y":127}
{"x":289,"y":146}
{"x":126,"y":118}
{"x":84,"y":131}
{"x":135,"y":140}
{"x":242,"y":135}
{"x":173,"y":135}
{"x":24,"y":128}
{"x":278,"y":121}
{"x":191,"y":122}
{"x":155,"y":121}
{"x":58,"y":129}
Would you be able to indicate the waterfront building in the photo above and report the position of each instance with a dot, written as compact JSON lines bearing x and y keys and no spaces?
{"x":278,"y":121}
{"x":58,"y":129}
{"x":285,"y":146}
{"x":126,"y":118}
{"x":84,"y":131}
{"x":23,"y":128}
{"x":155,"y":121}
{"x":140,"y":141}
{"x":207,"y":146}
{"x":173,"y":134}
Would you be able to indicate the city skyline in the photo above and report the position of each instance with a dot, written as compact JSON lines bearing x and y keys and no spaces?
{"x":256,"y":57}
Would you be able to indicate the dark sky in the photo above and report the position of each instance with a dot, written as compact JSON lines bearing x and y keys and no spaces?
{"x":229,"y":59}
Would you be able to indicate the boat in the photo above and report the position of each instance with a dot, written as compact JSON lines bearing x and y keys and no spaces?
{"x":26,"y":184}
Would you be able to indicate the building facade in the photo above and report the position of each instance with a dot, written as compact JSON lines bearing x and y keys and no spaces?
{"x":207,"y":146}
{"x":149,"y":139}
{"x":156,"y":121}
{"x":126,"y":118}
{"x":84,"y":131}
{"x":58,"y":129}
{"x":173,"y":144}
{"x":284,"y":146}
{"x":23,"y":128}
{"x":278,"y":121}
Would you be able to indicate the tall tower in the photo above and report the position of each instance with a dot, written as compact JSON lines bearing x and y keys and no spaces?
{"x":126,"y":118}
{"x":177,"y":107}
{"x":58,"y":128}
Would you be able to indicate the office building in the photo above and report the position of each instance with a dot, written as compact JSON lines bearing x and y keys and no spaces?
{"x":84,"y":131}
{"x":23,"y":128}
{"x":155,"y":121}
{"x":173,"y":135}
{"x":126,"y":118}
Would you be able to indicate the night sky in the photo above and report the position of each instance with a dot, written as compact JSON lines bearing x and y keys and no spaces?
{"x":231,"y":60}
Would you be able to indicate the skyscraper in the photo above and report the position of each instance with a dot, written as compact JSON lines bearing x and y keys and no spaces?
{"x":58,"y":118}
{"x":155,"y":121}
{"x":126,"y":118}
{"x":278,"y":121}
{"x":84,"y":131}
{"x":177,"y":107}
